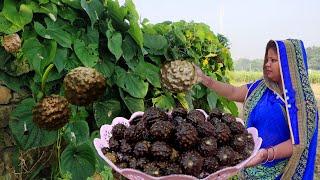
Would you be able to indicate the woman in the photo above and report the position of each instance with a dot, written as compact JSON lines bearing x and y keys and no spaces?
{"x":283,"y":109}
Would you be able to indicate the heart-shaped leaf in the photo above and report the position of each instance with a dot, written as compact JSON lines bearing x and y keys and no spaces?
{"x":105,"y":112}
{"x":150,"y":72}
{"x":79,"y":160}
{"x":164,"y":102}
{"x":11,"y":20}
{"x":27,"y":134}
{"x":77,"y":132}
{"x":87,"y":53}
{"x":114,"y":41}
{"x":93,"y":8}
{"x":131,"y":83}
{"x":53,"y":31}
{"x":133,"y":104}
{"x":35,"y":52}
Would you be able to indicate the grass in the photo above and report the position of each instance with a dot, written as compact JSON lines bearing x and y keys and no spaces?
{"x":245,"y":76}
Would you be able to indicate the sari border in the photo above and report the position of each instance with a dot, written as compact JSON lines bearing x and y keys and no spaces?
{"x":283,"y":55}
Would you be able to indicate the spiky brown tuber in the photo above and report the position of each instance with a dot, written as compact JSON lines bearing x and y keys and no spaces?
{"x":223,"y":132}
{"x":160,"y":150}
{"x":154,"y":114}
{"x":195,"y":117}
{"x":186,"y":135}
{"x":178,"y":76}
{"x":84,"y":85}
{"x":118,"y":131}
{"x":192,"y":163}
{"x":51,"y":113}
{"x":12,"y":43}
{"x":162,"y":130}
{"x":226,"y":155}
{"x":208,"y":146}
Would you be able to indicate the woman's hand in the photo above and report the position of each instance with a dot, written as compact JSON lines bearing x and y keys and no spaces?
{"x":229,"y":91}
{"x":260,"y":157}
{"x":199,"y":73}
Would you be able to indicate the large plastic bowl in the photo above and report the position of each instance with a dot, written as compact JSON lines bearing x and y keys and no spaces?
{"x":133,"y":174}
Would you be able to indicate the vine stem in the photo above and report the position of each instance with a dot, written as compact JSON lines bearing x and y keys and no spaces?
{"x":58,"y":149}
{"x":52,"y":54}
{"x":45,"y":77}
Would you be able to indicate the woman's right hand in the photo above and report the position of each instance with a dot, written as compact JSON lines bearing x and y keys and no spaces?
{"x":199,"y":72}
{"x":231,"y":92}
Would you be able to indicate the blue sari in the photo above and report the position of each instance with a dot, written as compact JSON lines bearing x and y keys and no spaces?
{"x":280,"y":116}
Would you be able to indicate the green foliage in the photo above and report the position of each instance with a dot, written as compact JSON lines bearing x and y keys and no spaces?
{"x":313,"y":54}
{"x":27,"y":134}
{"x":194,"y":42}
{"x":60,"y":35}
{"x":79,"y":161}
{"x":105,"y":112}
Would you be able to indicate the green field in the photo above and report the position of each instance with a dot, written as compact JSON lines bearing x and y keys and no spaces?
{"x":249,"y":76}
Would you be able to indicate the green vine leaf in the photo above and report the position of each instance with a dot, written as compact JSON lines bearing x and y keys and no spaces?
{"x":115,"y":43}
{"x":133,"y":104}
{"x":35,"y":52}
{"x":87,"y":53}
{"x":49,"y":9}
{"x":212,"y":99}
{"x":79,"y":160}
{"x":105,"y":112}
{"x":68,"y":13}
{"x":129,"y":48}
{"x":77,"y":132}
{"x":6,"y":26}
{"x":61,"y":59}
{"x":155,"y":44}
{"x":164,"y":101}
{"x":73,"y":3}
{"x":117,"y":12}
{"x":21,"y":120}
{"x":93,"y":8}
{"x":105,"y":67}
{"x":131,"y":83}
{"x":53,"y":31}
{"x":183,"y":101}
{"x":150,"y":72}
{"x":136,"y":33}
{"x":11,"y":20}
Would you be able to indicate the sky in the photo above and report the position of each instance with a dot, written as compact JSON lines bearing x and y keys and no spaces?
{"x":248,"y":24}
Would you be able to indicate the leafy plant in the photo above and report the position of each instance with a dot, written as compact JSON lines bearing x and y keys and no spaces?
{"x":60,"y":35}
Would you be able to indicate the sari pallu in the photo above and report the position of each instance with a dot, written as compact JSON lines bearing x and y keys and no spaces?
{"x":299,"y":110}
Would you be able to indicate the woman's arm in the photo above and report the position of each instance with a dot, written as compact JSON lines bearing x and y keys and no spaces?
{"x":228,"y":91}
{"x":282,"y":150}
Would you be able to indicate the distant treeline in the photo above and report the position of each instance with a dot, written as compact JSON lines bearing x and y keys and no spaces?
{"x":243,"y":64}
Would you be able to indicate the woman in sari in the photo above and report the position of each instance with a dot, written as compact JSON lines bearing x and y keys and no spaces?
{"x":283,"y":109}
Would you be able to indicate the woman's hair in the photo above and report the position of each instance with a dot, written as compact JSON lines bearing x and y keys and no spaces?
{"x":271,"y":45}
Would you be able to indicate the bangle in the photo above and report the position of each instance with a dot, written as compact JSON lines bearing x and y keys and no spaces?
{"x":267,"y":157}
{"x":274,"y":154}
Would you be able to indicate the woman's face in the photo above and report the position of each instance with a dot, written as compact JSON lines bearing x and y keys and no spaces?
{"x":271,"y":67}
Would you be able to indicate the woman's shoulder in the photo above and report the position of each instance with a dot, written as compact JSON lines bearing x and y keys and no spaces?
{"x":254,"y":84}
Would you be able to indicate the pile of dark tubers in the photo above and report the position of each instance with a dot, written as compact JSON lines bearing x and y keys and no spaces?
{"x":181,"y":142}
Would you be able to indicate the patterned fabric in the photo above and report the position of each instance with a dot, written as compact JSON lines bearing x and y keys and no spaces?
{"x":265,"y":173}
{"x":272,"y":127}
{"x":298,"y":109}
